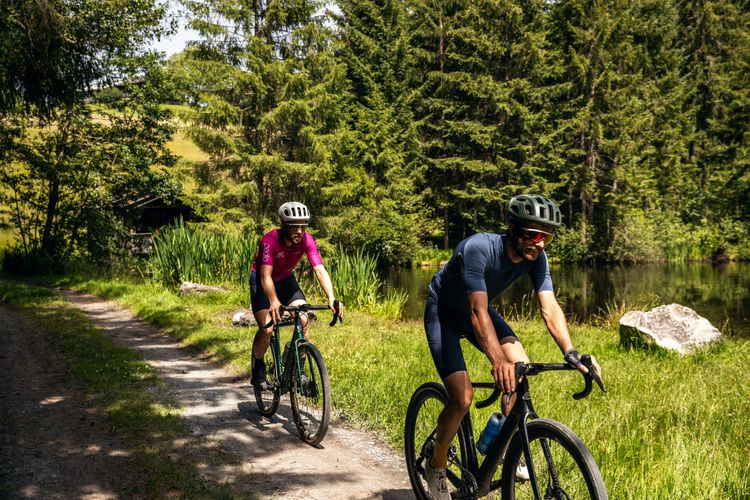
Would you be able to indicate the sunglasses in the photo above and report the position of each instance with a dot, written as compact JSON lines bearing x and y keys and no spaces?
{"x":296,"y":227}
{"x":535,"y":235}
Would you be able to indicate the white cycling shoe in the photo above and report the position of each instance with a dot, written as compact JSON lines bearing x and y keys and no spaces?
{"x":437,"y":482}
{"x":522,"y":472}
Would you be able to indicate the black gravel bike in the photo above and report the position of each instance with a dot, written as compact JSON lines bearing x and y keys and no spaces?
{"x":560,"y":466}
{"x":299,"y":370}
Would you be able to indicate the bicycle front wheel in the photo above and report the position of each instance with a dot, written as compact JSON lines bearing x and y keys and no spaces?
{"x":311,"y":395}
{"x":419,"y":441}
{"x":563,"y":465}
{"x":269,"y":393}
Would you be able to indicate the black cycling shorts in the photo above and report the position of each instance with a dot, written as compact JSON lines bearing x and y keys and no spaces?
{"x":444,"y":332}
{"x":287,"y":290}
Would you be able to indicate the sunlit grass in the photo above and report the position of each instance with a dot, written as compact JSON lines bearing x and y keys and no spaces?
{"x":123,"y":390}
{"x":183,"y":147}
{"x":669,"y":427}
{"x":7,"y":238}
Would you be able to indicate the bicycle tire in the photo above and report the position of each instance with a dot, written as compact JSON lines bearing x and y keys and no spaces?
{"x":311,"y":401}
{"x":564,"y":466}
{"x":419,"y":440}
{"x":268,"y":397}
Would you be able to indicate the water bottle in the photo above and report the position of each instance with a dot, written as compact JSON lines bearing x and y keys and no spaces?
{"x":490,"y":431}
{"x":286,"y":351}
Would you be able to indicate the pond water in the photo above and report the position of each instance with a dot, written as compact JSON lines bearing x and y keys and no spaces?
{"x":719,"y":293}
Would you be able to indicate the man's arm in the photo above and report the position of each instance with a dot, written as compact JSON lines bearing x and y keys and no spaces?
{"x":554,"y":318}
{"x":503,"y":371}
{"x":325,"y":283}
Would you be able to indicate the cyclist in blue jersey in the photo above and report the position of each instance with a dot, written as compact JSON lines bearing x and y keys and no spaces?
{"x":481,"y":267}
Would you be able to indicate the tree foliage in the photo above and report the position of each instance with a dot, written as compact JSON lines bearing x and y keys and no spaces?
{"x":66,"y":163}
{"x":401,"y":123}
{"x":407,"y":122}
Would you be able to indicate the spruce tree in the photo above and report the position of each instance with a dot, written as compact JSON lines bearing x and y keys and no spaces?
{"x":474,"y":70}
{"x":268,"y":97}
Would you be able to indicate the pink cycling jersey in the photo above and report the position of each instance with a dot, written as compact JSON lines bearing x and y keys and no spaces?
{"x":274,"y":252}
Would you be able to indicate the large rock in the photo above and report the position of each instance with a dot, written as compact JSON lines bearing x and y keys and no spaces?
{"x":188,"y":287}
{"x":673,"y":327}
{"x":244,"y":317}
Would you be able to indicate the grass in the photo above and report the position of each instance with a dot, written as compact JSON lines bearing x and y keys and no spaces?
{"x":7,"y":238}
{"x":123,"y":388}
{"x":670,"y":426}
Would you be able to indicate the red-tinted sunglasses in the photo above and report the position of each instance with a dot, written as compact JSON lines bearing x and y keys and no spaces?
{"x":536,"y":235}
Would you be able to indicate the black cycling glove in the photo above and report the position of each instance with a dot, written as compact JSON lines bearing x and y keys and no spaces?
{"x":573,"y":358}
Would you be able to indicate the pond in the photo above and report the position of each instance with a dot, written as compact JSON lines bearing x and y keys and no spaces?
{"x":719,"y":293}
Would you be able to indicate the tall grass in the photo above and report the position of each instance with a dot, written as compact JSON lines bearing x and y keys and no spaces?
{"x":189,"y":253}
{"x":357,"y":283}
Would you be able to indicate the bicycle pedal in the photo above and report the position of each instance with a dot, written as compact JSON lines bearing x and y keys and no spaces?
{"x":263,"y":386}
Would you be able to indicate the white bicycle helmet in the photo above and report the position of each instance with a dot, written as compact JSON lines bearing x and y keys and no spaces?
{"x":294,"y":211}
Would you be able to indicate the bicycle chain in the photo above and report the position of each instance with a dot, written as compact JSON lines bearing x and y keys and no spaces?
{"x":469,"y":489}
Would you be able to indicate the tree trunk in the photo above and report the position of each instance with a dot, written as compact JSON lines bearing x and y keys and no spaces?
{"x":54,"y":185}
{"x":446,"y":225}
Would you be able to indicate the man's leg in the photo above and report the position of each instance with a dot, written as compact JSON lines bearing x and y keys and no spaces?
{"x":260,"y":345}
{"x":460,"y":395}
{"x":303,"y":316}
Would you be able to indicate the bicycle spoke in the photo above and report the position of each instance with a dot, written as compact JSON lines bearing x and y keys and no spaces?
{"x":420,"y":443}
{"x":310,"y":395}
{"x":557,"y":474}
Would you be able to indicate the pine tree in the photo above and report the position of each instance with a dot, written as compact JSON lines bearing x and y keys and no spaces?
{"x":384,"y":214}
{"x":475,"y":65}
{"x":268,"y":95}
{"x":717,"y":48}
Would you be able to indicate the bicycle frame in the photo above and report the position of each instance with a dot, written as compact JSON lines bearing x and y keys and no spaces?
{"x":522,"y":411}
{"x":282,"y":365}
{"x":283,"y":368}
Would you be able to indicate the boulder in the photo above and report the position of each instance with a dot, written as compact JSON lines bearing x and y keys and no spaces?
{"x":244,"y":317}
{"x":188,"y":287}
{"x":673,"y":327}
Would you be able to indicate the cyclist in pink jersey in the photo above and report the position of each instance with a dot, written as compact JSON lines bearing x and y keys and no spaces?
{"x":272,"y":281}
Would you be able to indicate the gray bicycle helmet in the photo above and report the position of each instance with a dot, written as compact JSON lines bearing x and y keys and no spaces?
{"x":526,"y":208}
{"x":294,"y":211}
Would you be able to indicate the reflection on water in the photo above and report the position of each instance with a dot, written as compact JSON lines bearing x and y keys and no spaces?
{"x":721,"y":294}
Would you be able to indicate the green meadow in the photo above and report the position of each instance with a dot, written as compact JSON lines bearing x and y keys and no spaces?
{"x":669,"y":426}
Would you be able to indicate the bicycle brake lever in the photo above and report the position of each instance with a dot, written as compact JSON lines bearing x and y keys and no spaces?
{"x":586,"y":360}
{"x":336,"y":306}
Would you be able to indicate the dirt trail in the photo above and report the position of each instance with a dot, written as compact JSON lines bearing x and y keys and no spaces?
{"x":219,"y":408}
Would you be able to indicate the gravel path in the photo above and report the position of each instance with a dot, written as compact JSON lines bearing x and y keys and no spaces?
{"x":271,"y":461}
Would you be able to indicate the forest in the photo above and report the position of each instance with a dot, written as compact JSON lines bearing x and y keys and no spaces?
{"x":405,"y":125}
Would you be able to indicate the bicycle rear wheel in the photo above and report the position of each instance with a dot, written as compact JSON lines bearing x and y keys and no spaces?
{"x":564,"y":467}
{"x":269,"y":394}
{"x":311,"y":395}
{"x":419,"y":441}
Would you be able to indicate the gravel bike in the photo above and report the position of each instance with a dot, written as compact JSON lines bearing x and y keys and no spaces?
{"x":299,"y":370}
{"x":560,"y":466}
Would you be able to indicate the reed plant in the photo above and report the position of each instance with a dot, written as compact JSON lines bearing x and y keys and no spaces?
{"x":355,"y":276}
{"x":186,"y":252}
{"x":190,"y":253}
{"x":357,"y":284}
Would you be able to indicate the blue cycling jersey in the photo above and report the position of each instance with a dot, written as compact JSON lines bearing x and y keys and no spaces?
{"x":480,"y":263}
